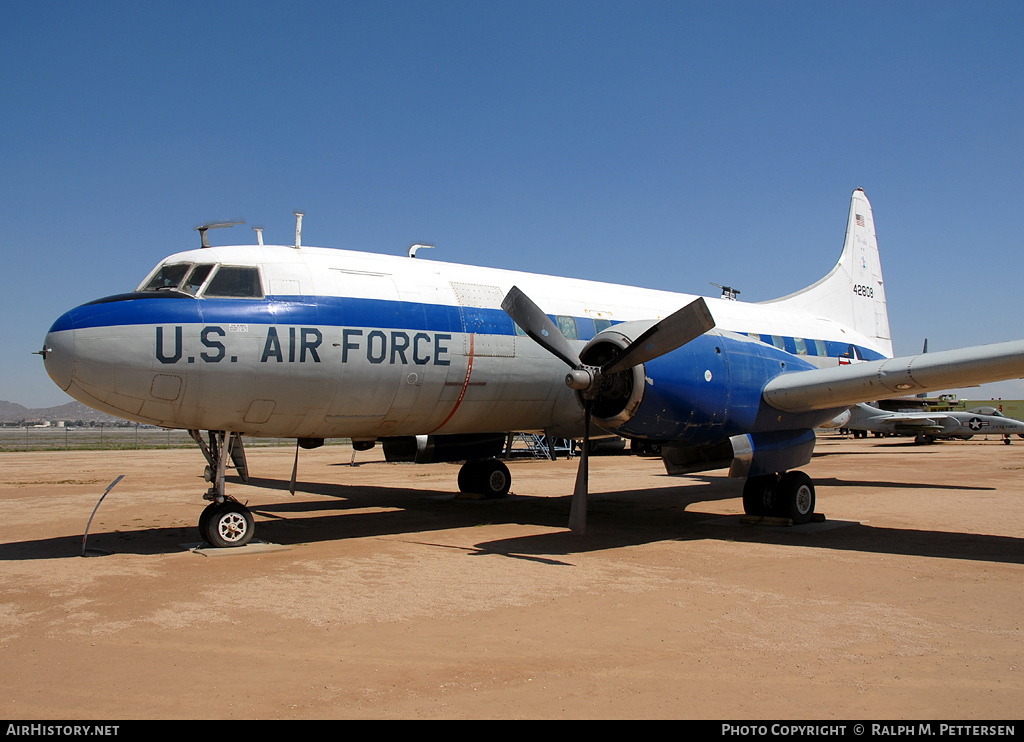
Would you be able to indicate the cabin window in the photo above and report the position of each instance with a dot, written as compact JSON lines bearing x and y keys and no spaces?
{"x":168,"y":277}
{"x":196,"y":278}
{"x":801,"y":346}
{"x":236,"y":282}
{"x":567,"y":326}
{"x":778,"y":342}
{"x":600,"y":325}
{"x":822,"y":350}
{"x":519,"y":330}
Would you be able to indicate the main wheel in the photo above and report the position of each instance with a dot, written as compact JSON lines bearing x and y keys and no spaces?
{"x":468,"y":475}
{"x":794,"y":497}
{"x":227,"y":524}
{"x":759,"y":494}
{"x":496,"y":479}
{"x":489,"y":477}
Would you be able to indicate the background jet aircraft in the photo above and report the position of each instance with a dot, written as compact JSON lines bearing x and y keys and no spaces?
{"x":928,"y":426}
{"x":438,"y":362}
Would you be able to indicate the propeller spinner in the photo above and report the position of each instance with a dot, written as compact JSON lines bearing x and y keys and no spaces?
{"x":674,"y":331}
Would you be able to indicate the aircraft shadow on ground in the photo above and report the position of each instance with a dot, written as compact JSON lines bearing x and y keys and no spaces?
{"x":616,"y":519}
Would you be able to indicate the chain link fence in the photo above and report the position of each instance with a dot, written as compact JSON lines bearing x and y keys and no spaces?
{"x":112,"y":438}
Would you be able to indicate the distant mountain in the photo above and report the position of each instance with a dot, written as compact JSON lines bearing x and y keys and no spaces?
{"x":13,"y":412}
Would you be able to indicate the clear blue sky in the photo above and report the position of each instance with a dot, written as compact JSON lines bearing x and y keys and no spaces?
{"x":662,"y":144}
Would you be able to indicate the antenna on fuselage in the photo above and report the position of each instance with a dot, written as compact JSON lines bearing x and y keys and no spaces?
{"x":728,"y":292}
{"x":298,"y":228}
{"x":259,"y":234}
{"x":414,"y":248}
{"x":213,"y":225}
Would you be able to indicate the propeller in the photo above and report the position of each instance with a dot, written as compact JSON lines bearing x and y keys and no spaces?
{"x":674,"y":331}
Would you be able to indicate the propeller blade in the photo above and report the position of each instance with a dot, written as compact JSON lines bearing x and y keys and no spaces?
{"x":578,"y":511}
{"x":673,"y":332}
{"x":295,"y":468}
{"x":538,"y":326}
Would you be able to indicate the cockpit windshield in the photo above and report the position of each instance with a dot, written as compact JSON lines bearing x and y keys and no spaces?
{"x":195,"y":279}
{"x":189,"y":278}
{"x":168,"y":278}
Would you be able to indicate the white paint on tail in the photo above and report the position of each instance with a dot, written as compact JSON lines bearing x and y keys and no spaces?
{"x":853,"y":293}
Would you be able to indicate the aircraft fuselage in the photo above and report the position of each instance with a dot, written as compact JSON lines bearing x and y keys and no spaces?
{"x":333,"y":343}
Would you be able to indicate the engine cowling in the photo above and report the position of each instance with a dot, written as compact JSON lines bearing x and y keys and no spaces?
{"x":701,"y":393}
{"x":749,"y":455}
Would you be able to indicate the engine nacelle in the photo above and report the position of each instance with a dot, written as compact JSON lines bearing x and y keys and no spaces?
{"x":699,"y":394}
{"x":748,"y":455}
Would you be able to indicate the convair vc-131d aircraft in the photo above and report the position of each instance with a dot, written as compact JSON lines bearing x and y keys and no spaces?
{"x":439,"y":362}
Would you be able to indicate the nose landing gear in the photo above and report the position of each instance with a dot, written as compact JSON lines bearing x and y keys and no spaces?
{"x":225,"y":522}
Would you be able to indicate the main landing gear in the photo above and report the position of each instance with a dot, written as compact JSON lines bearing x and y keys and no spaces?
{"x":790,"y":495}
{"x":225,"y":522}
{"x":487,"y":477}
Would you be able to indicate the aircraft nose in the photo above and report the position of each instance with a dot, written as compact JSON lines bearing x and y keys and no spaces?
{"x":59,"y":352}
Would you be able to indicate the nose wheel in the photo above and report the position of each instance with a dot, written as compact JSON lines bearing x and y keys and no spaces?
{"x":226,"y":524}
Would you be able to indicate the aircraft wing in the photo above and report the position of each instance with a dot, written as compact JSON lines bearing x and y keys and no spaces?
{"x":843,"y":386}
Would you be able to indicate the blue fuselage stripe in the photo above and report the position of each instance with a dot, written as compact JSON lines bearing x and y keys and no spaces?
{"x":331,"y":311}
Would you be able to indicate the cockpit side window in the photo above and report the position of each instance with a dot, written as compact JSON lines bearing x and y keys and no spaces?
{"x":236,"y":282}
{"x":168,"y":277}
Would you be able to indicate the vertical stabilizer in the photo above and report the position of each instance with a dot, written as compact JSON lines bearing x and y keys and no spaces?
{"x":852,"y":293}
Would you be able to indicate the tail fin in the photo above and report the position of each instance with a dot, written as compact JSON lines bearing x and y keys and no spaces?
{"x":852,"y":293}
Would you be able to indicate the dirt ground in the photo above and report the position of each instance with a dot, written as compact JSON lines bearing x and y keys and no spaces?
{"x":381,"y":596}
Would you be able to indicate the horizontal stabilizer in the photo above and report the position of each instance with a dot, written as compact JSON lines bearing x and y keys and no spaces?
{"x":842,"y":386}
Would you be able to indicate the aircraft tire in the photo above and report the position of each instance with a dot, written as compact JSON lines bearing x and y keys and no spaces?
{"x":204,"y":518}
{"x":496,"y":480}
{"x":794,"y":497}
{"x":488,"y":477}
{"x":468,"y":476}
{"x":229,"y":524}
{"x":759,"y":494}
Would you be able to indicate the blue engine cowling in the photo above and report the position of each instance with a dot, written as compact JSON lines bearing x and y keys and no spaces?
{"x":701,"y":394}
